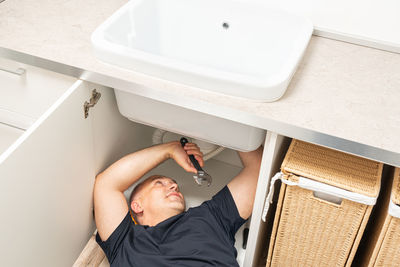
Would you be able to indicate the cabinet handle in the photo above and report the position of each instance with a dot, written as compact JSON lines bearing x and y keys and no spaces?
{"x":18,"y":71}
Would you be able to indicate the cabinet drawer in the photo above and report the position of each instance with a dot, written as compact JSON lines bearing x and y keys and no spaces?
{"x":26,"y":92}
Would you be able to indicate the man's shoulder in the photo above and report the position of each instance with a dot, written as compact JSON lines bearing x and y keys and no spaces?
{"x":218,"y":199}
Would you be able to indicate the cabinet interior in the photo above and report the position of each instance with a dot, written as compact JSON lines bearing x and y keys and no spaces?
{"x":127,"y":136}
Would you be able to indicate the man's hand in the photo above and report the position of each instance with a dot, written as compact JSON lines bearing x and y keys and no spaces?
{"x":180,"y":155}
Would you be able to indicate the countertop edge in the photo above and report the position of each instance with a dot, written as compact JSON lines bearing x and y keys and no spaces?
{"x":363,"y":150}
{"x":357,"y":40}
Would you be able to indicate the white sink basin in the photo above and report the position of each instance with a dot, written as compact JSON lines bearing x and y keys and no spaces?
{"x":188,"y":122}
{"x":234,"y":48}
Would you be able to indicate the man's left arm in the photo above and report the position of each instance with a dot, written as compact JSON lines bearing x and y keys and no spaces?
{"x":243,"y":186}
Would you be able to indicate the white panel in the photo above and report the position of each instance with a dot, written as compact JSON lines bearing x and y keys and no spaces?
{"x":230,"y":157}
{"x":377,"y":20}
{"x":46,"y":181}
{"x":8,"y":135}
{"x":275,"y":148}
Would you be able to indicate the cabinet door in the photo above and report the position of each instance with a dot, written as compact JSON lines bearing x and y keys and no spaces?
{"x":46,"y":182}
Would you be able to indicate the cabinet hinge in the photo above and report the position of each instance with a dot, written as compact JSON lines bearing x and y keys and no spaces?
{"x":92,"y":102}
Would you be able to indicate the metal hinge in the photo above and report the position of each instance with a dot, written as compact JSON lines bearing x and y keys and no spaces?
{"x":93,"y":101}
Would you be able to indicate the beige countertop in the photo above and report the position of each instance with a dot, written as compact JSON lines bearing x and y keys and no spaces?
{"x":343,"y":96}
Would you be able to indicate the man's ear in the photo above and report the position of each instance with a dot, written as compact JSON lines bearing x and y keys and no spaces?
{"x":136,"y":207}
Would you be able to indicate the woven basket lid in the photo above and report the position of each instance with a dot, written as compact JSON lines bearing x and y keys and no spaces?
{"x":333,"y":167}
{"x":396,"y":187}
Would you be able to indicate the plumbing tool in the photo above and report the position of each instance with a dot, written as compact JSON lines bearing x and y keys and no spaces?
{"x":201,"y":175}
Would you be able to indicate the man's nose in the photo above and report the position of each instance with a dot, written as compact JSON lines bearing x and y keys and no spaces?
{"x":173,"y":186}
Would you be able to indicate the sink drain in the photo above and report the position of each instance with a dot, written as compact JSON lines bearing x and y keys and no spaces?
{"x":225,"y":25}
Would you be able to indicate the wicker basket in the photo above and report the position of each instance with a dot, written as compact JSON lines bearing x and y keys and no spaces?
{"x":385,"y":248}
{"x":310,"y":231}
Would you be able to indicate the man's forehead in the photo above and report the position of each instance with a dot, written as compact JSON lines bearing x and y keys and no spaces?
{"x":163,"y":178}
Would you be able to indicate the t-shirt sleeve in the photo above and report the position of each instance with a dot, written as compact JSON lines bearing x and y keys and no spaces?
{"x":111,"y":245}
{"x":223,"y":208}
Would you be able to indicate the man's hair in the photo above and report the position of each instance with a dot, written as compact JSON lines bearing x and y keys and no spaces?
{"x":137,"y":188}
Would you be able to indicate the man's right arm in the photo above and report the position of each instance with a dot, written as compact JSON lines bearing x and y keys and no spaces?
{"x":109,"y":200}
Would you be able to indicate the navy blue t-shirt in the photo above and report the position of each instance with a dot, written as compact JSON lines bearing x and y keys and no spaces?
{"x":201,"y":236}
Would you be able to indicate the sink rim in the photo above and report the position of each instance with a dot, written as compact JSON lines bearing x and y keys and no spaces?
{"x":100,"y":42}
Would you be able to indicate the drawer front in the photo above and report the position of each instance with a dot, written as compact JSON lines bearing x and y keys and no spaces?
{"x":26,"y":92}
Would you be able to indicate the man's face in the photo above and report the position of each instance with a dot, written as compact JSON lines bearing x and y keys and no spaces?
{"x":160,"y":194}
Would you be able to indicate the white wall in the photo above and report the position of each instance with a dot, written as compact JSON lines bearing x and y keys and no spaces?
{"x":369,"y":19}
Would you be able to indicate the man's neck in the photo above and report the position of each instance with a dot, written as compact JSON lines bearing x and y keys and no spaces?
{"x":152,"y":220}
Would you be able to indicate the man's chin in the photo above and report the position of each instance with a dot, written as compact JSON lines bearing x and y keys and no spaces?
{"x":179,"y":206}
